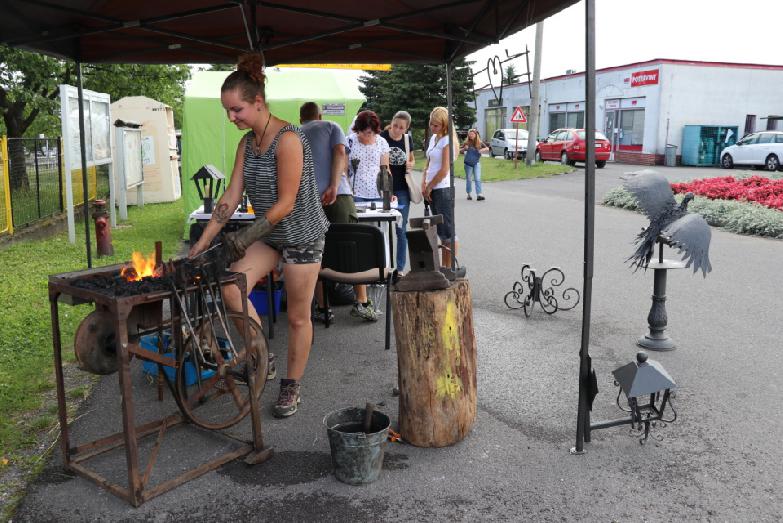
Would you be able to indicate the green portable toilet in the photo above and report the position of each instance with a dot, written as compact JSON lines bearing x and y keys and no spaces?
{"x":702,"y":144}
{"x":208,"y":138}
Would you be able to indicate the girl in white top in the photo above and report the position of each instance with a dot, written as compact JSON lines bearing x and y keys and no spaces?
{"x":436,"y":185}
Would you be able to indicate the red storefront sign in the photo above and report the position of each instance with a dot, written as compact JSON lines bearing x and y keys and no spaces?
{"x":648,"y":77}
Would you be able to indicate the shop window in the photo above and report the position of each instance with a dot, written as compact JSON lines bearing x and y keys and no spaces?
{"x":557,"y":121}
{"x":493,"y":120}
{"x":750,"y":124}
{"x":632,"y":128}
{"x":772,"y":124}
{"x":576,"y":120}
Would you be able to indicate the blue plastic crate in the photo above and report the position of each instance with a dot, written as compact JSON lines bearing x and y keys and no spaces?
{"x":258,"y":297}
{"x":150,"y":342}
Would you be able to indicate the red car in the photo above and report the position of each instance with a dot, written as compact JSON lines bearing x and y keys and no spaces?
{"x":568,"y":146}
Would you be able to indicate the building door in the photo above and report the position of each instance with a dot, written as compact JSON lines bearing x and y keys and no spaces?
{"x":611,"y":131}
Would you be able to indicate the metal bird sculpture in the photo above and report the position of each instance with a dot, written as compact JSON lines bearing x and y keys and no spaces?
{"x":669,"y":223}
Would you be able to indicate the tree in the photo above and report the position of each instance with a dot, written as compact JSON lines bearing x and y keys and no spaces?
{"x":28,"y":89}
{"x":29,"y":94}
{"x":164,"y":83}
{"x":418,"y":88}
{"x":510,"y":75}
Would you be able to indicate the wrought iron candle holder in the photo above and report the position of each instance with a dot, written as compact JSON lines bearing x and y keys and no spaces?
{"x":542,"y":290}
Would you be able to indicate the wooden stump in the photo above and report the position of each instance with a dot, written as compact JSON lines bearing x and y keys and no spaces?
{"x":436,"y":364}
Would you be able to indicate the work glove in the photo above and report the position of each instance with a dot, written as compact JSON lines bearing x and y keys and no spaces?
{"x":236,"y":243}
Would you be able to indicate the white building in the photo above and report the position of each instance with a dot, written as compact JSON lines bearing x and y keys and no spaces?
{"x":643,"y":106}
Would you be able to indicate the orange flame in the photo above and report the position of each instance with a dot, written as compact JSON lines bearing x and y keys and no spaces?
{"x":140,"y":267}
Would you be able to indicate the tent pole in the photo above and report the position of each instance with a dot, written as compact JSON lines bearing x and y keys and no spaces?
{"x":583,"y":415}
{"x":452,"y":192}
{"x":85,"y":189}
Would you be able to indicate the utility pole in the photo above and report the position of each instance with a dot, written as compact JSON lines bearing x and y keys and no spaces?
{"x":532,"y":122}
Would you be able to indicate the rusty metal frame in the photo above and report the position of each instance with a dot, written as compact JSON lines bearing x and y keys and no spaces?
{"x":74,"y":457}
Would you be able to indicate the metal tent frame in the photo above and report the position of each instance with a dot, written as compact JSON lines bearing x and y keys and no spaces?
{"x":301,"y":32}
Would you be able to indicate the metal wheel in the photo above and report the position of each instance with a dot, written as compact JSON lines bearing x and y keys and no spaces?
{"x":772,"y":163}
{"x":726,"y":162}
{"x":211,"y":381}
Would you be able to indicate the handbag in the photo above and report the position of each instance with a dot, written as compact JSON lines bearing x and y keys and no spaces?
{"x":472,"y":157}
{"x":414,"y":188}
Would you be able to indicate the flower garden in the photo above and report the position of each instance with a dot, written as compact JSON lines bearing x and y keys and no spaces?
{"x":764,"y":191}
{"x":752,"y":205}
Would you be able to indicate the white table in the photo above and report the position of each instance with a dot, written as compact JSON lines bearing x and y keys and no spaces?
{"x":364,"y":212}
{"x":378,"y":215}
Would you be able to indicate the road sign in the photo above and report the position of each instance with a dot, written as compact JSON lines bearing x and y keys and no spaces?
{"x":518,"y":116}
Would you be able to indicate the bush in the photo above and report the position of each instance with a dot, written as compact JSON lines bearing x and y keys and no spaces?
{"x":735,"y":216}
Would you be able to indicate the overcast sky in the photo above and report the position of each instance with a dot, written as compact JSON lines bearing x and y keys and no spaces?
{"x":630,"y":31}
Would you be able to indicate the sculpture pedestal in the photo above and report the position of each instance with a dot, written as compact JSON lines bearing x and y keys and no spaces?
{"x":656,"y":338}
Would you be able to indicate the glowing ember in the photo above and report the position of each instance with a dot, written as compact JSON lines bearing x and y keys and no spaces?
{"x":140,"y":267}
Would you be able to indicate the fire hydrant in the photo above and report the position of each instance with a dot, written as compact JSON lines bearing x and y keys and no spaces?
{"x":102,"y":229}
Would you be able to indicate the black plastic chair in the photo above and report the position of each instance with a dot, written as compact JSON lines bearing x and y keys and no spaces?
{"x":355,"y":253}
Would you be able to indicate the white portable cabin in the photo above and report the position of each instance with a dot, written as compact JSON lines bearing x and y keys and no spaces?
{"x":159,"y":147}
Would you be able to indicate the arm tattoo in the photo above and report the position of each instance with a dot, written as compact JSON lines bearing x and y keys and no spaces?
{"x":221,"y":214}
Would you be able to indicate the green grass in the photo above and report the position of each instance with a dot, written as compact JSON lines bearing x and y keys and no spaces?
{"x":26,"y":363}
{"x":500,"y":170}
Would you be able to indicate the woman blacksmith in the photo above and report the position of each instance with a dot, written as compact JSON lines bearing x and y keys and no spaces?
{"x":274,"y":166}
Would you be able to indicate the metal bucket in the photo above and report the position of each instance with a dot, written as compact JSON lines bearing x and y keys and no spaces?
{"x":357,"y":456}
{"x":670,"y":156}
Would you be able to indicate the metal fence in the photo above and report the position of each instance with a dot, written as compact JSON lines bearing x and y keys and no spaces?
{"x":33,"y":182}
{"x":35,"y":179}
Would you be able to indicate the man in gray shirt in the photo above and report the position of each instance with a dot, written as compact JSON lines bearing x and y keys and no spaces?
{"x":327,"y":143}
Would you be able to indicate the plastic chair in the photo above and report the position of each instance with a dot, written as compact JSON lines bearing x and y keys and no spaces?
{"x":355,"y":253}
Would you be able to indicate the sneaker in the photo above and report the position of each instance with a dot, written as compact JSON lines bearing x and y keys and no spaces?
{"x":322,"y":314}
{"x":469,"y":197}
{"x":287,"y":401}
{"x":480,"y":197}
{"x":271,"y":370}
{"x":365,"y":311}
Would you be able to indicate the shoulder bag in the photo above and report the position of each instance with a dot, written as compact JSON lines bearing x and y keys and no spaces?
{"x":414,"y":188}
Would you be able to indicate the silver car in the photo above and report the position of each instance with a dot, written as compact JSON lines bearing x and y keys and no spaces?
{"x":507,"y":142}
{"x":761,"y":150}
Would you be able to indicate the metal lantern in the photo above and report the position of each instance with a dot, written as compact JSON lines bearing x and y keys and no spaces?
{"x":208,"y":180}
{"x":647,"y":387}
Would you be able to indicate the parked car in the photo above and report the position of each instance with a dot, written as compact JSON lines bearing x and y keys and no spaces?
{"x":762,"y":149}
{"x":507,"y":142}
{"x":568,"y":146}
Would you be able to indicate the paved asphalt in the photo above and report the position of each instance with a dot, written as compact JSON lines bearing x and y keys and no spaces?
{"x":720,"y":461}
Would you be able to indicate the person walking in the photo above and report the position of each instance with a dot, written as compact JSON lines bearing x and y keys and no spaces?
{"x":327,"y":143}
{"x":274,"y":165}
{"x":400,"y":162}
{"x":369,"y":152}
{"x":436,"y":183}
{"x":473,"y":149}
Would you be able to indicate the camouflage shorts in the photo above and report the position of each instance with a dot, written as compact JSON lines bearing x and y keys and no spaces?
{"x":296,"y":254}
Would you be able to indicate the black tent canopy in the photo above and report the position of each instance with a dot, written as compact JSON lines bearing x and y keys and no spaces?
{"x":208,"y":31}
{"x":302,"y":32}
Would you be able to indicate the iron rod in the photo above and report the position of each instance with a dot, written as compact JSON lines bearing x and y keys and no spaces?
{"x":452,"y":192}
{"x":83,"y":147}
{"x":583,"y":414}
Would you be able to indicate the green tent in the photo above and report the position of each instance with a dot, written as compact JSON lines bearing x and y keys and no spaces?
{"x":209,"y":138}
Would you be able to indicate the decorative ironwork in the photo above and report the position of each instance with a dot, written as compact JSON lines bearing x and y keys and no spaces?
{"x":542,"y":289}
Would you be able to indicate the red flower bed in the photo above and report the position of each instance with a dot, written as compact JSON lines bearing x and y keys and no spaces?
{"x":768,"y":193}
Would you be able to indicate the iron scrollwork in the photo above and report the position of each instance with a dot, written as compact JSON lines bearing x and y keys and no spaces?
{"x":542,"y":289}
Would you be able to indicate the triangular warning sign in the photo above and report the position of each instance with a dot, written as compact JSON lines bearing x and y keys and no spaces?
{"x":518,"y":116}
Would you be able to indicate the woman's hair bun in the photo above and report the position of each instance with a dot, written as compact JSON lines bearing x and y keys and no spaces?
{"x":252,"y":64}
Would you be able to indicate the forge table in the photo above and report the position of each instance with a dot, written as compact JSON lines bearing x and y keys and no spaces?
{"x":146,"y":308}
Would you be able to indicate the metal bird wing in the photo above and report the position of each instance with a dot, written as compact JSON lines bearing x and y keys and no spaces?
{"x":691,"y":235}
{"x":652,"y":192}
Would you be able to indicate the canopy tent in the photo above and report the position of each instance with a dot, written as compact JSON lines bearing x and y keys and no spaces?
{"x":209,"y":138}
{"x":207,"y":31}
